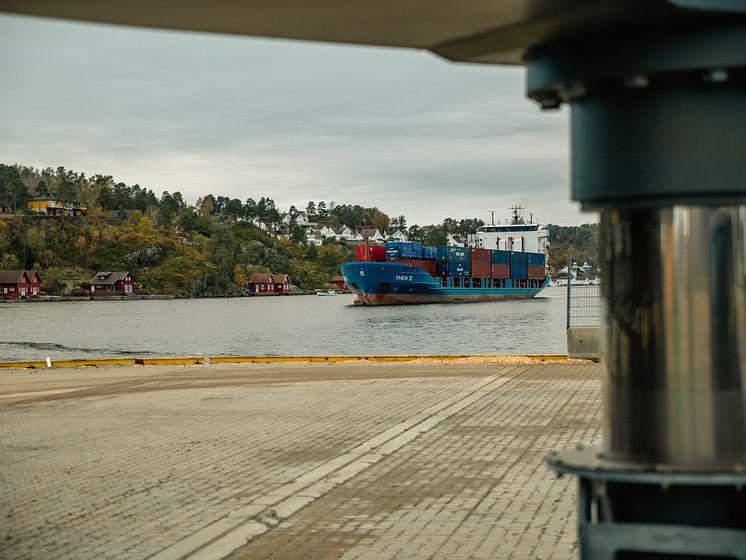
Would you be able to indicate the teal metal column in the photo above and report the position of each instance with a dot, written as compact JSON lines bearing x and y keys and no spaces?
{"x":659,"y":149}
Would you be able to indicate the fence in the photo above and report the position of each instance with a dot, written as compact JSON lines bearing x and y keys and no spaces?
{"x":583,"y":314}
{"x":583,"y":305}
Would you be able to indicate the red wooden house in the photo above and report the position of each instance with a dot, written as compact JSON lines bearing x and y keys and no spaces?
{"x":19,"y":283}
{"x":339,"y":282}
{"x":261,"y":283}
{"x":118,"y":282}
{"x":34,"y":282}
{"x":282,"y":283}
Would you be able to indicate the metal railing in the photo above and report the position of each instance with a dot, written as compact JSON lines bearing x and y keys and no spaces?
{"x":583,"y":299}
{"x":583,"y":313}
{"x":583,"y":305}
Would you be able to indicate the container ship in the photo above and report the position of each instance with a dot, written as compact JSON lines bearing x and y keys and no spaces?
{"x":505,"y":261}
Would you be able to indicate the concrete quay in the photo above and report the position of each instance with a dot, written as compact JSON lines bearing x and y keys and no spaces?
{"x":416,"y":460}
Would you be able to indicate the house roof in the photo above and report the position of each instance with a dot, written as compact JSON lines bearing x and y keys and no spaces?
{"x":261,"y":278}
{"x":370,"y":232}
{"x":108,"y":278}
{"x":31,"y":274}
{"x":11,"y":276}
{"x":280,"y":278}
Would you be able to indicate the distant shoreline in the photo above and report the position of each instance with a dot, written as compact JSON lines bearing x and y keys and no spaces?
{"x":47,"y":299}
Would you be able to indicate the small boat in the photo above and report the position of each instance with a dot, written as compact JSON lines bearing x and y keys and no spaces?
{"x":326,"y":293}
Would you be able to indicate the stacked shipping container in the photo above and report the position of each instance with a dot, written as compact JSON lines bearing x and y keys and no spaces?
{"x":396,"y":250}
{"x":519,"y":266}
{"x":456,"y":254}
{"x":480,"y":263}
{"x":464,"y":262}
{"x":536,"y":268}
{"x":500,"y":264}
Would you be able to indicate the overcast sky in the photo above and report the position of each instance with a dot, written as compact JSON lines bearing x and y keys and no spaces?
{"x":403,"y":130}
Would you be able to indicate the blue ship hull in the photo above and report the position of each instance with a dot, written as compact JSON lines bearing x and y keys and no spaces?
{"x":392,"y":283}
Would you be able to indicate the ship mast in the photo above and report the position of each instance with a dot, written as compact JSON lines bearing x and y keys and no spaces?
{"x":367,"y":243}
{"x":516,"y":215}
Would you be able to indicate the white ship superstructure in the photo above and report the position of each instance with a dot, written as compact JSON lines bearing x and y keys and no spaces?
{"x":514,"y":234}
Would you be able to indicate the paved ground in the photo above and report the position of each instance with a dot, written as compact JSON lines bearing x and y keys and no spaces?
{"x":352,"y":461}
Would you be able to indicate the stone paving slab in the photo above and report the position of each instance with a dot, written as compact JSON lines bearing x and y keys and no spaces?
{"x":344,"y":461}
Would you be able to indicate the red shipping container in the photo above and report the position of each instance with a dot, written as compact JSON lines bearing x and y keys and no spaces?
{"x":481,"y":269}
{"x":480,"y":256}
{"x":536,"y":272}
{"x":500,"y":271}
{"x":376,"y":253}
{"x":431,"y":267}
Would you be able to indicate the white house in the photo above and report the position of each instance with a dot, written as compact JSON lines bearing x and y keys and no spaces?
{"x":313,"y":238}
{"x":328,"y":232}
{"x":301,"y":219}
{"x":398,"y":235}
{"x":258,"y":223}
{"x":346,"y":234}
{"x":371,"y":233}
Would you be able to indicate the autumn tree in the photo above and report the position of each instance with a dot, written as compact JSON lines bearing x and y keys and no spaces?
{"x":240,"y":279}
{"x":80,"y":244}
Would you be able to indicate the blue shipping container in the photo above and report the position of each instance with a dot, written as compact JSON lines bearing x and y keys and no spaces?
{"x":458,"y":268}
{"x":454,"y":268}
{"x":500,"y":257}
{"x":519,"y":271}
{"x":430,"y":253}
{"x":536,"y":259}
{"x":405,"y":249}
{"x":519,"y":258}
{"x":457,"y":254}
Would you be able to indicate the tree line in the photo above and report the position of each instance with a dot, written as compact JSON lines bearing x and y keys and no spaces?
{"x":206,"y":249}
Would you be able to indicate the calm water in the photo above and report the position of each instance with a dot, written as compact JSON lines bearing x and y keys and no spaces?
{"x":279,"y":325}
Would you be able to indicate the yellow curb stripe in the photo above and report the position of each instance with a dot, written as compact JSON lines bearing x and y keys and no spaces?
{"x":176,"y":361}
{"x":377,"y":358}
{"x":24,"y":364}
{"x":93,"y":362}
{"x":197,"y":360}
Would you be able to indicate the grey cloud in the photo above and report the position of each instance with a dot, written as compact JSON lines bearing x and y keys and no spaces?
{"x":297,"y":121}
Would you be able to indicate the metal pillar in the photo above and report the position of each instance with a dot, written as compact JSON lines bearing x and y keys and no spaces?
{"x":657,"y":151}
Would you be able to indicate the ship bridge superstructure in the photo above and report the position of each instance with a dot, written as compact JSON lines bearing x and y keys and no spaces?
{"x":515,"y":234}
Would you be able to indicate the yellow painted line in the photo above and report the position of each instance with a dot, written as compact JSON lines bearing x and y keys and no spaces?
{"x":198,"y":360}
{"x":181,"y":360}
{"x":70,"y":363}
{"x":376,"y":358}
{"x":24,"y":364}
{"x":93,"y":362}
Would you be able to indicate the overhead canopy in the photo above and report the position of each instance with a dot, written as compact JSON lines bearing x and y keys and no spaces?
{"x":489,"y":31}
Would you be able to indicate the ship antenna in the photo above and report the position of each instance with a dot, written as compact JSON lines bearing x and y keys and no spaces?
{"x":367,"y":244}
{"x":515,"y":209}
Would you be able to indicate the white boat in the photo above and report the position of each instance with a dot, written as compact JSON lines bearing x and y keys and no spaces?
{"x":326,"y":293}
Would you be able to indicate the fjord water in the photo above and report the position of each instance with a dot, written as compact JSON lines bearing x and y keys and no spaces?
{"x":283,"y":325}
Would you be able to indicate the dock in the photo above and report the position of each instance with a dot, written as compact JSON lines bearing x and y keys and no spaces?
{"x":355,"y":460}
